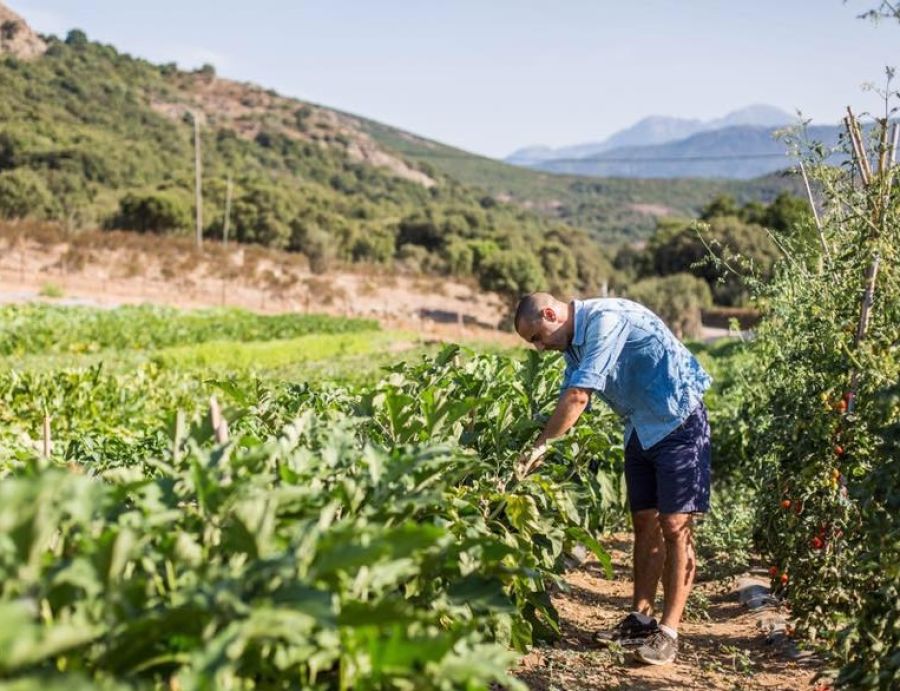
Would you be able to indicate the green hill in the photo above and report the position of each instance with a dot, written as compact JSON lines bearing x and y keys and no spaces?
{"x":94,"y":137}
{"x":613,"y":210}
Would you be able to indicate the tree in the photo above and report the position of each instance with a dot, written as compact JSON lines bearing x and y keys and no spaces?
{"x":678,"y":300}
{"x":24,"y":193}
{"x":155,"y":212}
{"x":511,"y":273}
{"x":76,"y":38}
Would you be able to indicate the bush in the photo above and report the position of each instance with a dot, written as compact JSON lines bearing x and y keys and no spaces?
{"x":156,"y":212}
{"x":746,"y":248}
{"x":24,"y":193}
{"x":678,"y":299}
{"x":511,"y":273}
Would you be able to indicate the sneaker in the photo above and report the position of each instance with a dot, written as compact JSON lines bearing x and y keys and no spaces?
{"x":633,"y":630}
{"x":658,"y":649}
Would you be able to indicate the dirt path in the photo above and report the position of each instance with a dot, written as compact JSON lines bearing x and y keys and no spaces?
{"x":726,"y":652}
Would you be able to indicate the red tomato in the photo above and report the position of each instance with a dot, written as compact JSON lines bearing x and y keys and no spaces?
{"x":785,"y":503}
{"x":839,"y":450}
{"x":817,"y":542}
{"x":773,"y":571}
{"x":784,"y":579}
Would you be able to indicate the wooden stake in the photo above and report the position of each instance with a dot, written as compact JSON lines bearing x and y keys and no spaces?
{"x":895,"y":142}
{"x":868,"y":297}
{"x":858,"y":153}
{"x":219,"y":423}
{"x":179,"y":435}
{"x":863,"y":161}
{"x":47,"y":448}
{"x":198,"y":190}
{"x":812,"y":205}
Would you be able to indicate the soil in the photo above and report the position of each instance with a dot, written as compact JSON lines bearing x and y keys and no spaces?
{"x":107,"y":269}
{"x":727,"y":651}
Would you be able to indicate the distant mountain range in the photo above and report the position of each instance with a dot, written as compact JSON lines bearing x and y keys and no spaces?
{"x":740,"y":145}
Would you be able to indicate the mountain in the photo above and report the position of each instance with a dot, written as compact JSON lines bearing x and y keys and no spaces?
{"x":652,"y":130}
{"x":738,"y":152}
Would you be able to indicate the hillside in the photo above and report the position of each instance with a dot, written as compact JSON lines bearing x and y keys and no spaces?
{"x":612,"y":209}
{"x":93,"y":137}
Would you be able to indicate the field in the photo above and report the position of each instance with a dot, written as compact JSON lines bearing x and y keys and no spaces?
{"x":220,"y":499}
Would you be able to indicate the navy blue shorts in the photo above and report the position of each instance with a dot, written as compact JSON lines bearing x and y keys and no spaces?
{"x":672,"y":476}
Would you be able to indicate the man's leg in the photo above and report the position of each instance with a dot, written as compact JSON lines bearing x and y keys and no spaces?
{"x":680,"y":565}
{"x":640,"y":481}
{"x":649,"y":556}
{"x":682,"y":473}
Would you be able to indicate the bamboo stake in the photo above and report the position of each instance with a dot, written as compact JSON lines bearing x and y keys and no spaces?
{"x":895,"y":142}
{"x":812,"y":205}
{"x":219,"y":424}
{"x":179,"y":435}
{"x":47,"y":447}
{"x":859,"y":145}
{"x":868,"y":297}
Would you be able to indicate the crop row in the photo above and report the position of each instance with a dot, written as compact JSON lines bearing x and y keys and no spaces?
{"x":339,"y":539}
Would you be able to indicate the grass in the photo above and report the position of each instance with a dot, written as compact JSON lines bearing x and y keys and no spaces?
{"x":51,"y":290}
{"x":267,"y":355}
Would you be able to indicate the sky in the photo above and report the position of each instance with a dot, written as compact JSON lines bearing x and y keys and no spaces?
{"x":491,"y":76}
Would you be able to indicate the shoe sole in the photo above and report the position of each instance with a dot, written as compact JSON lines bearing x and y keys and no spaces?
{"x":647,"y":661}
{"x":622,"y":642}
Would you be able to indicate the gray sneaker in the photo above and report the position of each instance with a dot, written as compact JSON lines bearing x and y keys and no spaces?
{"x":659,"y":649}
{"x":632,"y":631}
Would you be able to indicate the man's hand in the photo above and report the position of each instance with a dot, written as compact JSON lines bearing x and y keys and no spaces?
{"x":570,"y":405}
{"x":530,"y":461}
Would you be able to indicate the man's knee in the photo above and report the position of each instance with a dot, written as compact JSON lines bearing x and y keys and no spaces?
{"x":676,"y":527}
{"x":645,"y":522}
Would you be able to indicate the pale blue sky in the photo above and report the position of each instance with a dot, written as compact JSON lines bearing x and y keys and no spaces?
{"x":493,"y":75}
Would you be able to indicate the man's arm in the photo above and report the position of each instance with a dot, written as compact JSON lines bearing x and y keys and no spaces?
{"x":569,"y":407}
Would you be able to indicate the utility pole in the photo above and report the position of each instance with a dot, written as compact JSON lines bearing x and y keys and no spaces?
{"x":227,"y":212}
{"x":198,"y":190}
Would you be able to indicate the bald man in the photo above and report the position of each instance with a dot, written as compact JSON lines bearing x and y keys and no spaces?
{"x":623,"y":353}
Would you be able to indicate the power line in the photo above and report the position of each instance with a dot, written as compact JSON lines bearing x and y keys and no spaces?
{"x":642,"y":159}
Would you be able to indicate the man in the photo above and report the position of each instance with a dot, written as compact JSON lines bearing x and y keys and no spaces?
{"x":626,"y":355}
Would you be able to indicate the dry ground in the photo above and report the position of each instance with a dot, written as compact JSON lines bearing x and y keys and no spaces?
{"x":112,"y":268}
{"x":726,"y":652}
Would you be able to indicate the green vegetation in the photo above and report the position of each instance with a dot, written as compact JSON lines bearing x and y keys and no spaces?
{"x":613,"y":210}
{"x":816,"y":420}
{"x":344,"y":538}
{"x":35,"y":328}
{"x":730,"y":244}
{"x":360,"y":529}
{"x":270,"y":354}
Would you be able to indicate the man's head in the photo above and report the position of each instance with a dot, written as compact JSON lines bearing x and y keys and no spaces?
{"x":544,"y":321}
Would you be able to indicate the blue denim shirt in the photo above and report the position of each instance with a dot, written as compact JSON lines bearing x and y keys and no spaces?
{"x":625,"y":354}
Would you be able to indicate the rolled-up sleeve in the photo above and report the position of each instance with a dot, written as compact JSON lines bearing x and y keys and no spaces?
{"x":605,"y":336}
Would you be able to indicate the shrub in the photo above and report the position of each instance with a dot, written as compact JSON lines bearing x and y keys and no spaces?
{"x":511,"y":273}
{"x":678,"y":299}
{"x":155,"y":212}
{"x":24,"y":193}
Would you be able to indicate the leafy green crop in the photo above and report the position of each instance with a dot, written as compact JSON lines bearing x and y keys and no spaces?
{"x":341,"y":539}
{"x":36,"y":328}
